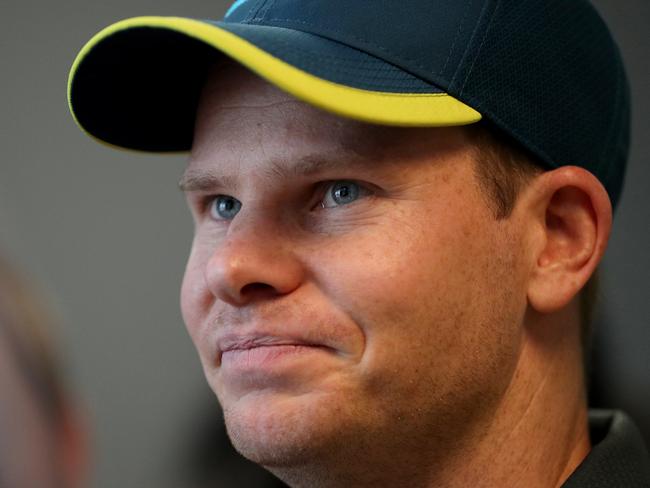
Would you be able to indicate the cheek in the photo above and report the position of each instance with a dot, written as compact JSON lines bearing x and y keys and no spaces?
{"x":196,"y":299}
{"x":399,"y":271}
{"x":432,"y":298}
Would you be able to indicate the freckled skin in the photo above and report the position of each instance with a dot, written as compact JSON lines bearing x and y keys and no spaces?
{"x":421,"y":290}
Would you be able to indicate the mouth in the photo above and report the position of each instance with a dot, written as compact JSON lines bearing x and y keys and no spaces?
{"x":264,"y":356}
{"x":262,"y":346}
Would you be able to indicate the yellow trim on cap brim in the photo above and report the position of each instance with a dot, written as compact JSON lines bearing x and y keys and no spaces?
{"x":399,"y":109}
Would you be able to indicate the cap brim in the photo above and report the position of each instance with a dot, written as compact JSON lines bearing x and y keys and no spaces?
{"x":136,"y":83}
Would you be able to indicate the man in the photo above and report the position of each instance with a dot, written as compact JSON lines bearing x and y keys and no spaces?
{"x":382,"y":290}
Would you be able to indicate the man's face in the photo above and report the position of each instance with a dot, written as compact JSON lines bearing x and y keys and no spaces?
{"x":348,"y":289}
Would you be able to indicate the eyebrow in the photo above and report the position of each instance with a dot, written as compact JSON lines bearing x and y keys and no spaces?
{"x":309,"y":165}
{"x":204,"y":180}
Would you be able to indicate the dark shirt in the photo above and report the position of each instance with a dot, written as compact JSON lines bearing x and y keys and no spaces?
{"x":618,"y":458}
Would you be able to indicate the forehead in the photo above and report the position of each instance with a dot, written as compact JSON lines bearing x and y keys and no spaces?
{"x":242,"y":116}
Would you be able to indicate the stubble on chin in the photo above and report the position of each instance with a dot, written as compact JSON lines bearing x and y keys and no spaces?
{"x":283,"y":432}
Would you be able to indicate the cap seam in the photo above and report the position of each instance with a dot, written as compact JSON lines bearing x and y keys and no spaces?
{"x":263,"y":10}
{"x":480,"y":48}
{"x":460,"y":29}
{"x":462,"y":63}
{"x":417,"y":64}
{"x":250,"y":16}
{"x":335,"y":60}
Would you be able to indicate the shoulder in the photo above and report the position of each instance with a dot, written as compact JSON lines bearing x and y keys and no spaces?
{"x":619,"y":456}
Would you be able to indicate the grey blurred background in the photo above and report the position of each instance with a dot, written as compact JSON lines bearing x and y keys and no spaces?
{"x":106,"y":234}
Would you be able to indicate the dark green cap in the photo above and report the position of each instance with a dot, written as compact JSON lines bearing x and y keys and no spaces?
{"x":546,"y":72}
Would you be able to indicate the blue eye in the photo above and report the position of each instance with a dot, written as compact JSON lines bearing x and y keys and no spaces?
{"x":223,"y":207}
{"x":341,"y":193}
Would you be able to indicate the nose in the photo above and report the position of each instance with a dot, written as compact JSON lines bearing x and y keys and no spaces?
{"x":253,"y":264}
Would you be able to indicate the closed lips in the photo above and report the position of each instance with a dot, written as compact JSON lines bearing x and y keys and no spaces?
{"x":247,"y":342}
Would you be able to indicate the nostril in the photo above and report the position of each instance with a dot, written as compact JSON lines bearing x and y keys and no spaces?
{"x":261,"y":289}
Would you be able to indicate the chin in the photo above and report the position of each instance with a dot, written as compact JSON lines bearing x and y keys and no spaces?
{"x":282,"y":431}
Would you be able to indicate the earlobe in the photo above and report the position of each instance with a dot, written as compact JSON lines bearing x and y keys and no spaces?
{"x":575,"y":217}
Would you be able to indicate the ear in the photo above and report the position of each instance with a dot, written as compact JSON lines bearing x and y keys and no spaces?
{"x":573,"y":216}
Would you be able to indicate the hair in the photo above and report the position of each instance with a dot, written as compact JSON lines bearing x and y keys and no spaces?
{"x":503,"y":169}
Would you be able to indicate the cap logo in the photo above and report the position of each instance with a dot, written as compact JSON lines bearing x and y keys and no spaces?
{"x":234,"y":7}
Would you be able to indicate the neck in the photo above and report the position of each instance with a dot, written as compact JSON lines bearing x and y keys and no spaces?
{"x":539,"y":433}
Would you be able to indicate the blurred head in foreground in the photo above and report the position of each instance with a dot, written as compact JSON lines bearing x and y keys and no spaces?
{"x":41,"y":441}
